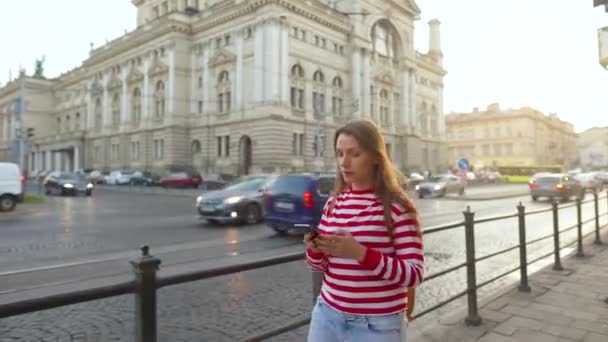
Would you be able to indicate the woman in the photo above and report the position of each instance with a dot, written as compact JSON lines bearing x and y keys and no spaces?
{"x":368,"y":246}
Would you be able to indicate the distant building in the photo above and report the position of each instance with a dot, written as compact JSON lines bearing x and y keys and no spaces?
{"x":524,"y":136}
{"x":593,"y":147}
{"x":238,"y":87}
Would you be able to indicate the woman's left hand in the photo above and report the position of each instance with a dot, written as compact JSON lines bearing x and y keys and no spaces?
{"x":342,"y":245}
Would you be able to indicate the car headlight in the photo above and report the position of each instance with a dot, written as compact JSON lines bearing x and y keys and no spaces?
{"x":68,"y":185}
{"x":90,"y":186}
{"x":199,"y":199}
{"x":437,"y":187}
{"x":417,"y":187}
{"x":232,"y":200}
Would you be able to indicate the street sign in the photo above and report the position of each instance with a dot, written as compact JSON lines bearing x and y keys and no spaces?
{"x":463,"y":164}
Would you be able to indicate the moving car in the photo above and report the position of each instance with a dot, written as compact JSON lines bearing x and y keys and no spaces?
{"x":554,"y":185}
{"x":241,"y":201}
{"x":63,"y":183}
{"x":11,"y":186}
{"x":144,"y":178}
{"x":181,"y":180}
{"x":295,"y":202}
{"x":440,"y":186}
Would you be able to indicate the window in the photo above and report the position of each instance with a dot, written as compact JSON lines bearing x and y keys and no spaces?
{"x":498,"y":150}
{"x":200,"y":107}
{"x":159,"y":149}
{"x":384,"y":106}
{"x":337,"y":98}
{"x":384,"y":43}
{"x":223,"y":90}
{"x":135,"y":151}
{"x":486,"y":151}
{"x":156,"y":12}
{"x":219,"y":146}
{"x":200,"y":82}
{"x":297,"y":87}
{"x":227,"y":146}
{"x":136,"y":107}
{"x":68,"y":123}
{"x":318,"y":95}
{"x":114,"y":153}
{"x":317,"y":40}
{"x":298,"y":144}
{"x":116,"y":110}
{"x":396,"y":99}
{"x":97,"y":153}
{"x":218,"y":42}
{"x":323,"y":43}
{"x":58,"y":125}
{"x":159,"y":98}
{"x":165,"y":8}
{"x":295,"y":32}
{"x":227,"y":40}
{"x":77,"y":122}
{"x":98,"y":115}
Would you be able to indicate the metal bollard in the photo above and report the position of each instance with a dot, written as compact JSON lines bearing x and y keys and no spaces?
{"x":579,"y":223}
{"x":317,"y":279}
{"x":557,"y":266}
{"x":145,"y":296}
{"x":598,"y":240}
{"x":523,"y":257}
{"x":469,"y":230}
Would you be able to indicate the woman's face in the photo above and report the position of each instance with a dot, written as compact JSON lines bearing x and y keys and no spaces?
{"x":356,"y":164}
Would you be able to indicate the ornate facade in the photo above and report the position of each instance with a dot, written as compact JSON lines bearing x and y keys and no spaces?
{"x":238,"y":86}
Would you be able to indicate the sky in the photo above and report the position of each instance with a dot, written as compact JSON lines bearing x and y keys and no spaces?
{"x":537,"y":53}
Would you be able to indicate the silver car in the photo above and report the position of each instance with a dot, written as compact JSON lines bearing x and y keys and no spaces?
{"x":242,"y":201}
{"x":555,"y":185}
{"x":440,"y":186}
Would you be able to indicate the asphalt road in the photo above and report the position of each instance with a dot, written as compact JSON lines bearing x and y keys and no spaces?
{"x":68,"y":242}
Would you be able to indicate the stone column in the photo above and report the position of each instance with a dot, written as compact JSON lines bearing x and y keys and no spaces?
{"x":57,"y":165}
{"x":124,"y":108}
{"x":170,"y":95}
{"x":258,"y":63}
{"x":49,"y":161}
{"x":285,"y":66}
{"x":272,"y":66}
{"x":5,"y":134}
{"x":238,"y":96}
{"x":356,"y":81}
{"x":405,"y":99}
{"x":367,"y":85}
{"x":106,"y":110}
{"x":145,"y":98}
{"x":413,"y":106}
{"x":206,"y":80}
{"x":76,"y":158}
{"x":440,"y":114}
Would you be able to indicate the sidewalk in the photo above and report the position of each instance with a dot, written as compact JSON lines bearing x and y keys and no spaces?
{"x":562,"y":306}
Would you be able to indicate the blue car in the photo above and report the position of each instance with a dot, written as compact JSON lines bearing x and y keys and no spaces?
{"x":295,"y":202}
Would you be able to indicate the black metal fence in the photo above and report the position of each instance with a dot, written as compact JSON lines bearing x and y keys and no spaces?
{"x":146,"y":282}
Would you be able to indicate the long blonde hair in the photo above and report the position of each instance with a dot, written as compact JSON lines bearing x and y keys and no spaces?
{"x":386,"y":178}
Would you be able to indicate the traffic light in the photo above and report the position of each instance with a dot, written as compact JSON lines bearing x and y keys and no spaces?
{"x":30,"y":132}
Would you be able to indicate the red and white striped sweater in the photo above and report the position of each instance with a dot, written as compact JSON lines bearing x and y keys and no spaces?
{"x":377,"y":285}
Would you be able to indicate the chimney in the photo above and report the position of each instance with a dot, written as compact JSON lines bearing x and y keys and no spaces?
{"x":435,"y":39}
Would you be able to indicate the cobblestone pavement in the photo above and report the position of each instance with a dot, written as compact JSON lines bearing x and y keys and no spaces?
{"x":233,"y":307}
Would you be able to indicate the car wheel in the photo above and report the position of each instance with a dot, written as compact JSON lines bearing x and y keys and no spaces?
{"x":252,"y":214}
{"x":279,"y":231}
{"x":8,"y":203}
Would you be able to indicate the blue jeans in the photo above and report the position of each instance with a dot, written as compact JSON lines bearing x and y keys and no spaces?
{"x":330,"y":325}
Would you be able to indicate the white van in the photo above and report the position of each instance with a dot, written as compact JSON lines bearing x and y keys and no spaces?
{"x":11,"y":186}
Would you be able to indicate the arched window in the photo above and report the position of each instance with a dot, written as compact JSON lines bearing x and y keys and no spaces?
{"x":98,"y":115}
{"x":298,"y":82}
{"x":318,"y":93}
{"x":338,"y":97}
{"x":159,"y":100}
{"x":136,"y":107}
{"x":224,"y":96}
{"x":116,"y":110}
{"x":384,"y":39}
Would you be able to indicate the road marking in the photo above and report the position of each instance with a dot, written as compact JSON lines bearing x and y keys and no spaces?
{"x":134,"y":254}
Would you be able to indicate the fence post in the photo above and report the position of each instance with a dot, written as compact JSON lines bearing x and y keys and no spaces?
{"x":557,"y":266}
{"x":523,"y":257}
{"x":469,"y":230}
{"x":145,"y":296}
{"x":579,"y":223}
{"x":598,"y":241}
{"x":317,"y":279}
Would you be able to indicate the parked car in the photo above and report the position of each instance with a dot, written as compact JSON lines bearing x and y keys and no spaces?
{"x":242,"y":201}
{"x":119,"y":178}
{"x":554,"y":185}
{"x":144,"y":178}
{"x":217,"y":181}
{"x":181,"y":180}
{"x":294,"y":202}
{"x":63,"y":183}
{"x":11,"y":186}
{"x":590,"y":181}
{"x":440,"y":186}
